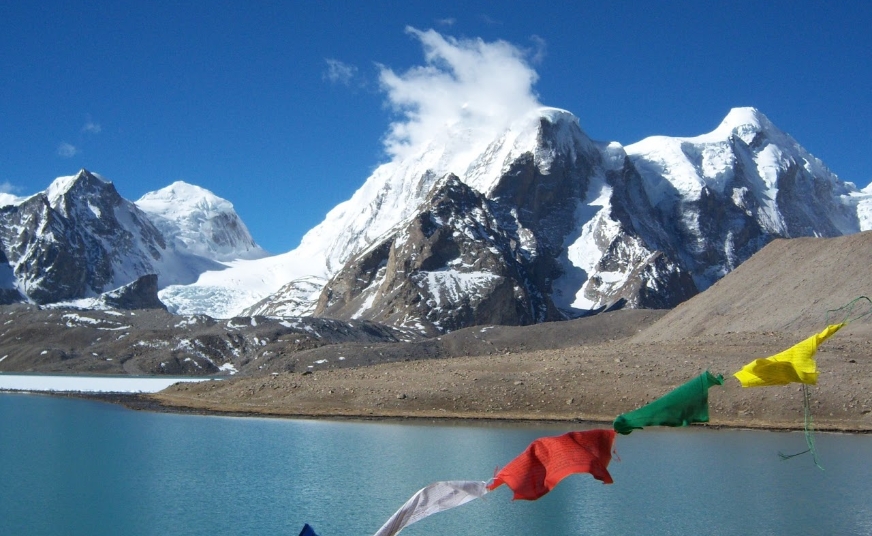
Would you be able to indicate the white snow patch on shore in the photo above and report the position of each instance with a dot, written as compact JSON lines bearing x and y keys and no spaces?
{"x":88,"y":384}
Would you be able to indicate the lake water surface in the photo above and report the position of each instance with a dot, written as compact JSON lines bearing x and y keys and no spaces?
{"x":70,"y":467}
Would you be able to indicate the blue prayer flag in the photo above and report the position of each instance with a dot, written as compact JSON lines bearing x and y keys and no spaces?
{"x":307,"y":531}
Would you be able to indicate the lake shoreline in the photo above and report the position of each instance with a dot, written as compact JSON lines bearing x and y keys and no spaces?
{"x":593,"y":383}
{"x":501,"y":379}
{"x":148,"y":403}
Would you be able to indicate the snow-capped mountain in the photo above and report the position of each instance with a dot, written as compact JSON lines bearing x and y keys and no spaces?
{"x":389,"y":196}
{"x":746,"y":182}
{"x":9,"y":199}
{"x":579,"y":225}
{"x":535,"y":223}
{"x":863,"y":199}
{"x":80,"y":238}
{"x":199,"y":222}
{"x":698,"y":207}
{"x":457,"y":262}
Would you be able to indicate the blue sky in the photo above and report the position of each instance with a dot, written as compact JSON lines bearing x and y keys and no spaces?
{"x":278,"y":106}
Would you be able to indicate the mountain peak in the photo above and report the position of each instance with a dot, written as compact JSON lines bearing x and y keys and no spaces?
{"x":180,"y":197}
{"x":745,"y":115}
{"x":199,"y":222}
{"x":81,"y":180}
{"x":745,"y":123}
{"x":556,"y":114}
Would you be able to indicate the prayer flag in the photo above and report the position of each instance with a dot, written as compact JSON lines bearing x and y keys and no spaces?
{"x":683,"y":405}
{"x":548,"y":460}
{"x":307,"y":531}
{"x":796,"y":364}
{"x":432,"y":499}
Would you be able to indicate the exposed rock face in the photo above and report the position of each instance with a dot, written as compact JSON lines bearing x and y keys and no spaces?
{"x":8,"y":294}
{"x":722,"y":196}
{"x":570,"y":226}
{"x":454,"y":264}
{"x":141,"y":294}
{"x":797,"y":285}
{"x":626,"y":251}
{"x":297,"y":298}
{"x":535,"y":224}
{"x":56,"y":339}
{"x":77,"y":239}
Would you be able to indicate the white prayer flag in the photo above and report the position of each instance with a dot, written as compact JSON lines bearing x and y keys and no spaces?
{"x":434,"y":498}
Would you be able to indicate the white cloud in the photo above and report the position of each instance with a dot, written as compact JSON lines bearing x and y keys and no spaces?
{"x":92,"y":127}
{"x":469,"y":83}
{"x":446,"y":22}
{"x":67,"y":150}
{"x":338,"y":72}
{"x":539,"y":48}
{"x":7,"y":194}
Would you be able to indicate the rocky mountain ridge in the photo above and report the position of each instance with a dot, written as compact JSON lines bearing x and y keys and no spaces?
{"x":118,"y":340}
{"x":566,"y":226}
{"x":80,"y":238}
{"x":539,"y":223}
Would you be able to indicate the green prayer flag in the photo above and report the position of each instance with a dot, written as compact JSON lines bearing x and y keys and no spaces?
{"x":683,"y":405}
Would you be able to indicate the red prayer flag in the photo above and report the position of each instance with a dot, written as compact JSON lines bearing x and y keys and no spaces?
{"x":548,"y":460}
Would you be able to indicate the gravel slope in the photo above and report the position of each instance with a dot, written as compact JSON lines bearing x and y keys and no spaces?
{"x":787,"y":286}
{"x":590,"y":382}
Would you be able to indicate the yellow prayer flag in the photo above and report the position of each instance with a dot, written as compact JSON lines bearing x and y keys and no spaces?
{"x":796,"y":364}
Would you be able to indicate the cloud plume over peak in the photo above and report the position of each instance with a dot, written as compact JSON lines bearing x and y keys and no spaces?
{"x":479,"y":86}
{"x":6,"y":187}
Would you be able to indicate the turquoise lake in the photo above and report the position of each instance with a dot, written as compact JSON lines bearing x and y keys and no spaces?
{"x":78,"y":467}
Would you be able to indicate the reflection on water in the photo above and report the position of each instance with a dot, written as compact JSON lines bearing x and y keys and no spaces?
{"x":81,"y":467}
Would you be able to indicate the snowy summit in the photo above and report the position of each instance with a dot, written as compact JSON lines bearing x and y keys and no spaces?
{"x":200,"y":222}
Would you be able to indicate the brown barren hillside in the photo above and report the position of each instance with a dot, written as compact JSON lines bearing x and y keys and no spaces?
{"x":788,"y":286}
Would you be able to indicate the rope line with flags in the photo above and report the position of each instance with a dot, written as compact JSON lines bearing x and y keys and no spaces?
{"x":548,"y":460}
